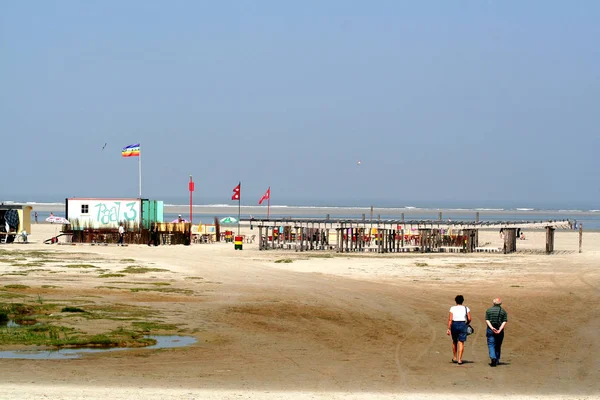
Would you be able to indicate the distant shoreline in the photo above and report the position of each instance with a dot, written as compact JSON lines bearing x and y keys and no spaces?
{"x":300,"y":211}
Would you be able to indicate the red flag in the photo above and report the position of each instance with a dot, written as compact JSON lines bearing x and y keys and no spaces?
{"x":236,"y":192}
{"x":266,"y":196}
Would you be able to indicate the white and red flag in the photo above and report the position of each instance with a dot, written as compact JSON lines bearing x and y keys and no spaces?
{"x":266,"y":196}
{"x":236,"y":192}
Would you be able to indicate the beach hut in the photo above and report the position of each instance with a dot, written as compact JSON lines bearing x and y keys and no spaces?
{"x":14,"y":219}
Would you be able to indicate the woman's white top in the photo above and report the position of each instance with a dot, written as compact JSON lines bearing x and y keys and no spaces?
{"x":459,"y":313}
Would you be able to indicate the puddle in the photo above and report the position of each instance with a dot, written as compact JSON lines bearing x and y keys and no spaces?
{"x":162,"y":342}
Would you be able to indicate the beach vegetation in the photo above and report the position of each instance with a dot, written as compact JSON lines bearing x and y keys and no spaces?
{"x":148,"y":327}
{"x":193,"y":277}
{"x":127,"y":260}
{"x":79,"y":266}
{"x":461,"y":265}
{"x":36,"y":325}
{"x":421,"y":264}
{"x":9,"y":295}
{"x":111,"y":275}
{"x":51,"y":287}
{"x":284,"y":261}
{"x":137,"y":269}
{"x":16,"y":286}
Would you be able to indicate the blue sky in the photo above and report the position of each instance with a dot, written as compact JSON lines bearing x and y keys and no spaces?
{"x":444,"y":102}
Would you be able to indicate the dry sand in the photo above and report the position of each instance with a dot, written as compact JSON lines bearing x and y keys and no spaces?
{"x":341,"y":326}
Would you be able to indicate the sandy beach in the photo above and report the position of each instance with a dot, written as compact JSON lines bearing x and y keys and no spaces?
{"x":317,"y":326}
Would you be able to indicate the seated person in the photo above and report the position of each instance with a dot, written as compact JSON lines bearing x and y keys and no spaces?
{"x":522,"y":237}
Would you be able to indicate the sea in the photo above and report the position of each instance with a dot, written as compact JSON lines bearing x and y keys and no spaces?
{"x":206,"y":213}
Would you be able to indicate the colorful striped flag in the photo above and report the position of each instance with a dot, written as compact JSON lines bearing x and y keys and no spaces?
{"x":133,"y":150}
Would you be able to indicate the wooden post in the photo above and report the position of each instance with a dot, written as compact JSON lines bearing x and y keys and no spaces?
{"x":338,"y":242}
{"x":510,"y":240}
{"x":549,"y":240}
{"x":260,"y":238}
{"x":580,"y":235}
{"x":402,"y":235}
{"x":371,"y":213}
{"x":440,"y":216}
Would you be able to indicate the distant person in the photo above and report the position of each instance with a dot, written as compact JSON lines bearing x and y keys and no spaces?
{"x":153,"y":236}
{"x":179,"y":219}
{"x":35,"y":216}
{"x":522,"y":236}
{"x":121,"y":235}
{"x":458,"y":319}
{"x":495,"y":319}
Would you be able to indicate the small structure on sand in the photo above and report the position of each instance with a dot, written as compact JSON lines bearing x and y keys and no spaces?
{"x":391,"y":236}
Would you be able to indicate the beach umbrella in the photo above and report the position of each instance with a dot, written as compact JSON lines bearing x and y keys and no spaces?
{"x":57,"y":220}
{"x":229,"y":220}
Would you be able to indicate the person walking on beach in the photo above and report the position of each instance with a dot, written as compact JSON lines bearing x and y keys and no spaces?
{"x":495,"y":319}
{"x":121,"y":234}
{"x":458,"y":319}
{"x":35,"y":216}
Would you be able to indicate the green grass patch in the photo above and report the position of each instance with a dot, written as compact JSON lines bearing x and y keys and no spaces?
{"x":516,"y":286}
{"x":9,"y":295}
{"x":136,"y":269}
{"x":421,"y":264}
{"x":127,"y":260}
{"x":461,"y":265}
{"x":284,"y":261}
{"x":111,"y":275}
{"x":79,"y":266}
{"x":51,"y":287}
{"x":16,"y":274}
{"x":16,"y":286}
{"x":60,"y":336}
{"x":193,"y":277}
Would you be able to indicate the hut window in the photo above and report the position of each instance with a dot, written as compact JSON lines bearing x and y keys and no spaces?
{"x":85,"y":208}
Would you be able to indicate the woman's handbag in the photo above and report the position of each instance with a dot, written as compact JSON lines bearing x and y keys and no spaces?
{"x":470,"y":329}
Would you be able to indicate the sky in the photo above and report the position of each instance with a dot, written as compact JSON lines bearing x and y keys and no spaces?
{"x":474,"y":103}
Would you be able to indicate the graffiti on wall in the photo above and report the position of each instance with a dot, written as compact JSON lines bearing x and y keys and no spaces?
{"x":113,"y":212}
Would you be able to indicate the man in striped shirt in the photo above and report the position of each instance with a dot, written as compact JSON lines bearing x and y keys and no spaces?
{"x":495,"y":318}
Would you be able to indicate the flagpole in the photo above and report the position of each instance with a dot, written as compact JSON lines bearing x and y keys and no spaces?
{"x":239,"y":207}
{"x":140,"y":169}
{"x":269,"y":204}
